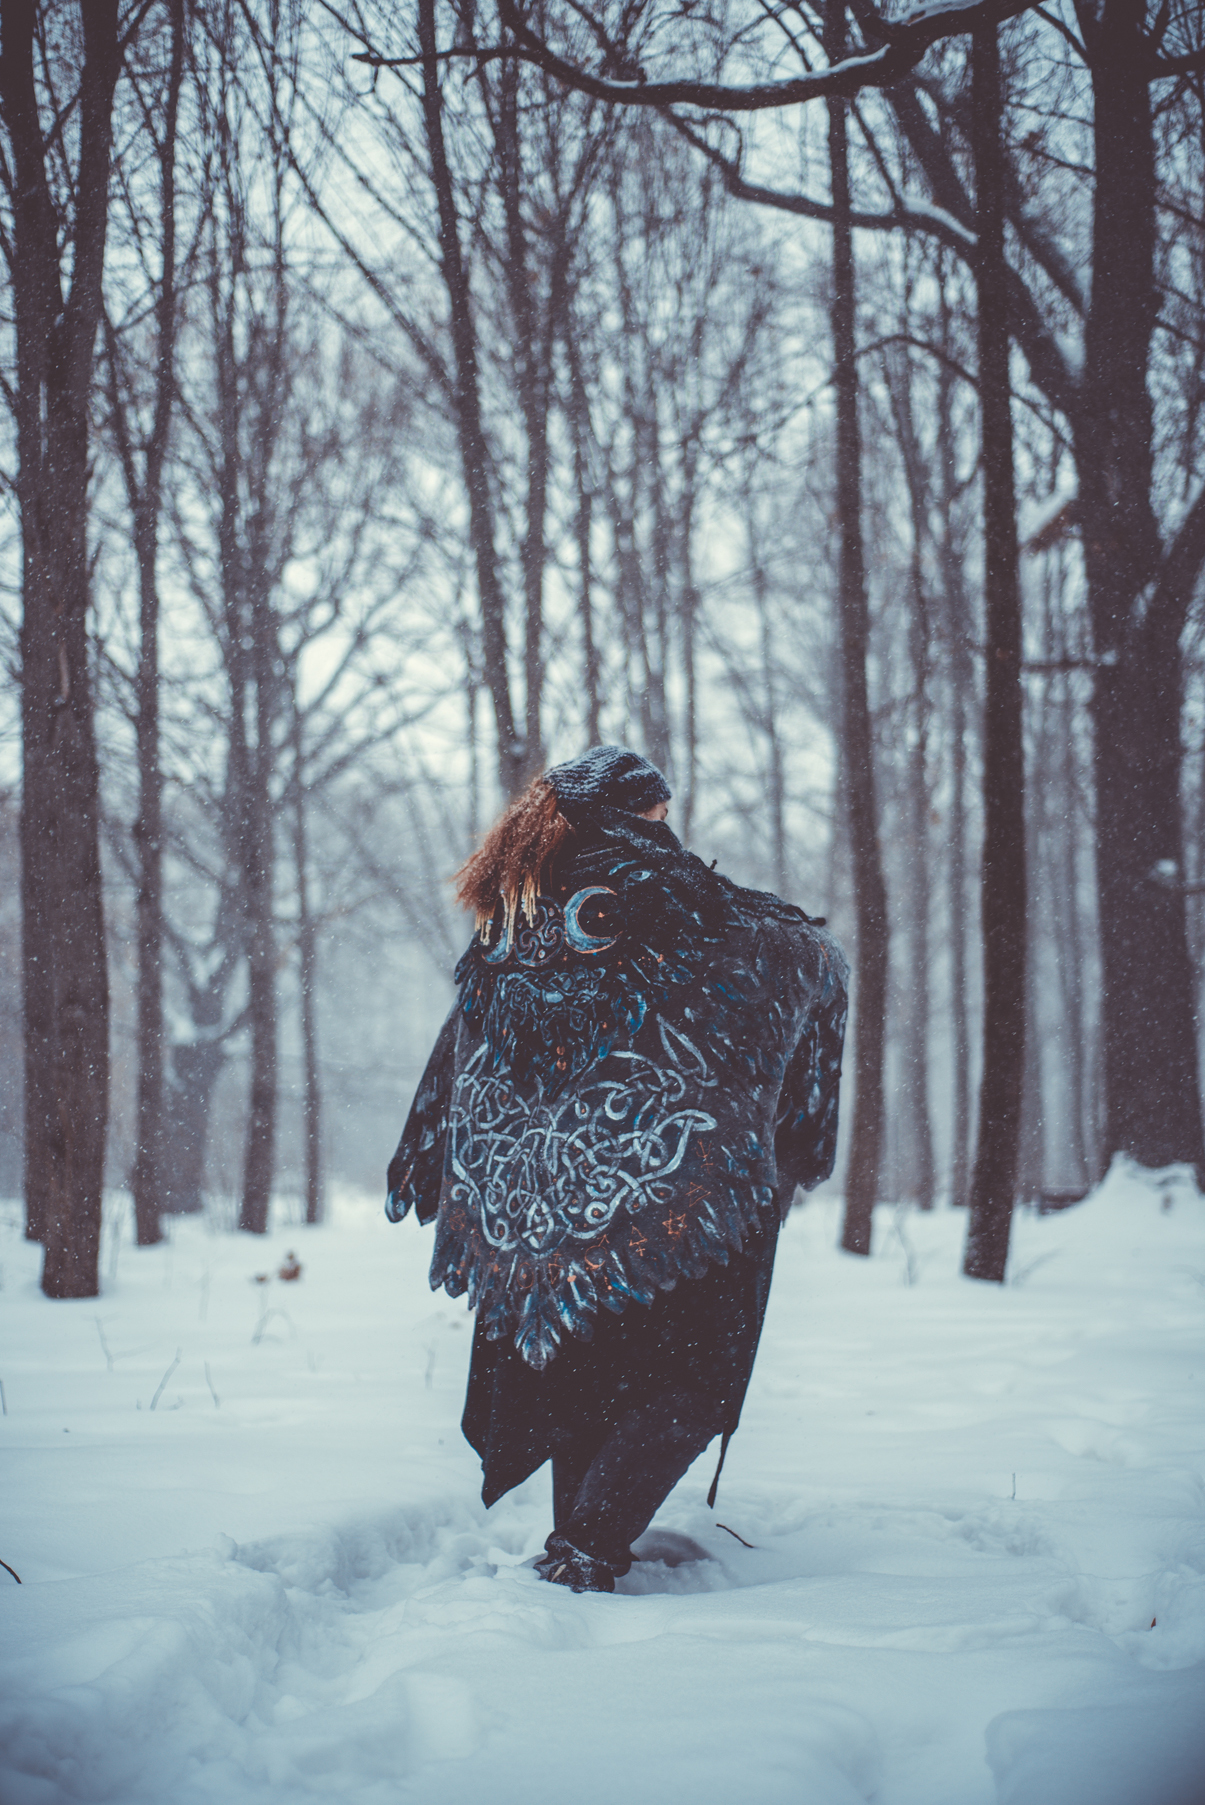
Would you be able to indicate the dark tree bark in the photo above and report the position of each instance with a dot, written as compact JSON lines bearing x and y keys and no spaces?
{"x":66,"y":995}
{"x":1138,"y":596}
{"x":534,"y":337}
{"x":512,"y":761}
{"x":249,"y":405}
{"x":144,"y":490}
{"x":258,"y":870}
{"x":688,"y":782}
{"x":918,"y":1168}
{"x":776,"y":779}
{"x":1031,"y":1129}
{"x":870,"y":892}
{"x":922,"y":1175}
{"x":256,"y":843}
{"x":654,"y":613}
{"x":579,"y":411}
{"x":1063,"y":857}
{"x":993,"y":1184}
{"x":961,"y":689}
{"x":960,"y":1027}
{"x":688,"y":616}
{"x":307,"y":957}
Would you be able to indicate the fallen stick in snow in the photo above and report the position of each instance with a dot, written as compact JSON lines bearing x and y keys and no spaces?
{"x":163,"y":1381}
{"x":732,"y":1532}
{"x":17,"y":1576}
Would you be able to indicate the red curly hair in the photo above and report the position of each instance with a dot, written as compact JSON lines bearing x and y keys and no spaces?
{"x":513,"y":856}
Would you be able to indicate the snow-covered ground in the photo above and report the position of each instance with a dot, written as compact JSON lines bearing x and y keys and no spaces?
{"x":255,"y":1566}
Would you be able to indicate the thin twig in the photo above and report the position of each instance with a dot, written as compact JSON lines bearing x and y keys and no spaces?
{"x":163,"y":1381}
{"x":911,"y":1266}
{"x":217,"y":1402}
{"x":732,"y":1532}
{"x":104,"y":1344}
{"x":3,"y":1400}
{"x":9,"y":1569}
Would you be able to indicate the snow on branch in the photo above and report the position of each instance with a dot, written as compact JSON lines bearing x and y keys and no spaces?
{"x":897,"y":45}
{"x":900,"y":45}
{"x":915,"y":215}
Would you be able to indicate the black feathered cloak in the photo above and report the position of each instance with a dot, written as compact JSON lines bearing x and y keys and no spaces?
{"x":638,"y":1072}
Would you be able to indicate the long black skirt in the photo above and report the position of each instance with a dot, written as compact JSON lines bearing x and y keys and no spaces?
{"x":700,"y":1337}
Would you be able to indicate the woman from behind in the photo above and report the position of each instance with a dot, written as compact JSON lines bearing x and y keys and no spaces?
{"x":640,"y":1069}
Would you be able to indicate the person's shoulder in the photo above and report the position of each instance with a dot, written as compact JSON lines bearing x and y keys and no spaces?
{"x":796,"y":941}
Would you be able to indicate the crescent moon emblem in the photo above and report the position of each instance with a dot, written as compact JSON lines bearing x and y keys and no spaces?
{"x":575,"y":934}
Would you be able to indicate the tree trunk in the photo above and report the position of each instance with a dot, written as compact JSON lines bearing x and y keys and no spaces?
{"x":1152,"y":1096}
{"x":259,"y":1157}
{"x":197,"y":1064}
{"x":584,"y":526}
{"x":961,"y":694}
{"x":870,"y":893}
{"x":918,"y":1171}
{"x":145,"y":1179}
{"x":993,"y":1185}
{"x":1063,"y":857}
{"x":258,"y":852}
{"x":960,"y":1028}
{"x":473,"y":454}
{"x":145,"y":499}
{"x":66,"y":995}
{"x":196,"y":1067}
{"x":307,"y":953}
{"x":775,"y":781}
{"x":1031,"y":1133}
{"x":688,"y":616}
{"x":533,"y":343}
{"x":315,"y":1201}
{"x":922,"y":1177}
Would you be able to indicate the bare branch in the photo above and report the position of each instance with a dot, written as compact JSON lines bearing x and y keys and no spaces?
{"x":917,"y":217}
{"x":900,"y":46}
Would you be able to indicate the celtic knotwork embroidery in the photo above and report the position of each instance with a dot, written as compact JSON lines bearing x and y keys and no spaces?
{"x":557,"y":1202}
{"x":539,"y":1172}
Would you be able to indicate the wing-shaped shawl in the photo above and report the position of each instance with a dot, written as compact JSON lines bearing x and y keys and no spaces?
{"x":415,"y":1172}
{"x":600,"y":1116}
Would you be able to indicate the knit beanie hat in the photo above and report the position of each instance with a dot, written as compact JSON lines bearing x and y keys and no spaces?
{"x":608,"y":777}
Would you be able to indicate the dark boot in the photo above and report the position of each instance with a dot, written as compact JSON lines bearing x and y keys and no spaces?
{"x":633,"y":1472}
{"x":565,"y":1565}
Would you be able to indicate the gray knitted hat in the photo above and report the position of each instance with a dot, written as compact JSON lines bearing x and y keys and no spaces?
{"x":608,"y":777}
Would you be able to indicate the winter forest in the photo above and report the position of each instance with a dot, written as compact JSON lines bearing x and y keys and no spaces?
{"x":403,"y":395}
{"x":390,"y":415}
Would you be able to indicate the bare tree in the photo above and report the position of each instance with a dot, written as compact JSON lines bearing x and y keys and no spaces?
{"x":56,"y":100}
{"x":870,"y":890}
{"x":1004,"y":896}
{"x":142,"y":446}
